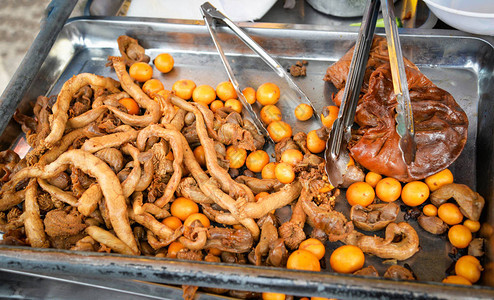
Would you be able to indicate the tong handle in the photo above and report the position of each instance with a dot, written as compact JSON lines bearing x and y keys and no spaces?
{"x":355,"y":78}
{"x":400,"y":84}
{"x":213,"y":13}
{"x":404,"y":114}
{"x":210,"y":13}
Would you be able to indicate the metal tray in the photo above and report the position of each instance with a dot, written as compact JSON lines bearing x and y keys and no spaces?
{"x":459,"y":63}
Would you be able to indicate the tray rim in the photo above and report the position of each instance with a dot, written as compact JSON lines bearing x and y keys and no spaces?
{"x":449,"y":33}
{"x":231,"y":276}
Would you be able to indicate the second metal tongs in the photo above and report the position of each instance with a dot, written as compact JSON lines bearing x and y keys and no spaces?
{"x":336,"y":154}
{"x":210,"y":15}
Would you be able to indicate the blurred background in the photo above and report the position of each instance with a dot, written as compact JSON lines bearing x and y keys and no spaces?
{"x":19,"y":25}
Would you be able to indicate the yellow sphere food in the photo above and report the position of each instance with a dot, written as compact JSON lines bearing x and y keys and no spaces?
{"x":347,"y":259}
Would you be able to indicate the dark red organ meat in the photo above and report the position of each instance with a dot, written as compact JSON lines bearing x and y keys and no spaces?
{"x":337,"y":73}
{"x":440,"y":126}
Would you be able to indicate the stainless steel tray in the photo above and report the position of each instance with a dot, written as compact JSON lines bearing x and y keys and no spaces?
{"x":459,"y":63}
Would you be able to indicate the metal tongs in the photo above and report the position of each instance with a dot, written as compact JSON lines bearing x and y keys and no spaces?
{"x":404,"y":114}
{"x":336,"y":154}
{"x":211,"y":15}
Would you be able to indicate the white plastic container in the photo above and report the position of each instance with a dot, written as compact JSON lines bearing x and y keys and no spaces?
{"x":474,"y":16}
{"x":236,"y":10}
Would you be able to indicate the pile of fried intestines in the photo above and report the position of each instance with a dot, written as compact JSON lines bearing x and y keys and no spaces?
{"x":98,"y":178}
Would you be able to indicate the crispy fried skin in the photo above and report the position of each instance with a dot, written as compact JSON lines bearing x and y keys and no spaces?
{"x":471,"y":203}
{"x":112,"y":156}
{"x":230,"y":240}
{"x":235,"y":189}
{"x":211,"y":189}
{"x":375,"y":216}
{"x":88,"y":202}
{"x":131,"y":51}
{"x":33,"y":225}
{"x":276,"y":200}
{"x":399,"y":272}
{"x":260,"y":185}
{"x":57,"y":193}
{"x":93,"y":166}
{"x":432,"y":224}
{"x":188,"y":188}
{"x":195,"y":236}
{"x":152,"y":114}
{"x":387,"y":247}
{"x":97,"y":110}
{"x":64,"y":144}
{"x":147,"y":175}
{"x":11,"y":198}
{"x":130,"y":183}
{"x":174,"y":138}
{"x":293,"y":230}
{"x":108,"y":239}
{"x":61,"y":107}
{"x":116,"y":139}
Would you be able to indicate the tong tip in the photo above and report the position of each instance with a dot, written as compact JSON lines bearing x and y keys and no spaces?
{"x":408,"y":148}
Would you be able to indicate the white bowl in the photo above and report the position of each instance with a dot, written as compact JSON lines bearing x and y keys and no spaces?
{"x":474,"y":16}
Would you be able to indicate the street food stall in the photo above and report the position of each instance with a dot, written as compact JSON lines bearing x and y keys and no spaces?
{"x":139,"y":159}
